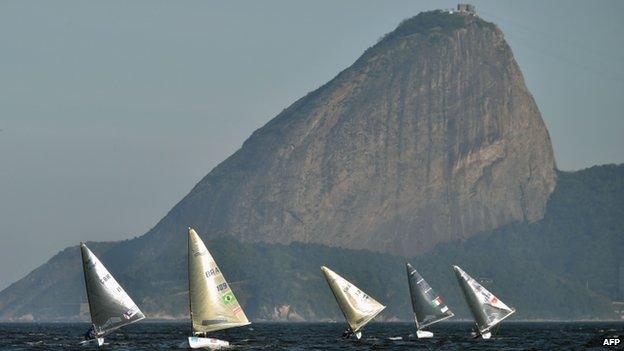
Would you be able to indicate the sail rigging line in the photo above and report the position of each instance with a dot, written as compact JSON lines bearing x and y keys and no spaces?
{"x":515,"y":38}
{"x":566,"y":40}
{"x":608,"y":58}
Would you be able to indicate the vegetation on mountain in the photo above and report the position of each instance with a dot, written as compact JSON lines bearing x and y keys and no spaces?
{"x":562,"y":267}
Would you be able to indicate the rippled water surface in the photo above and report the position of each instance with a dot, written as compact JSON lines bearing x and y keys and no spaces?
{"x":318,"y":336}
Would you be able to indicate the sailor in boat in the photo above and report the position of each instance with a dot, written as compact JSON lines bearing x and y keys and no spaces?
{"x":347,"y":333}
{"x":90,"y":334}
{"x":475,"y":331}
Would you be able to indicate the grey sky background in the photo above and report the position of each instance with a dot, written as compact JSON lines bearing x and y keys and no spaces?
{"x":111,"y":111}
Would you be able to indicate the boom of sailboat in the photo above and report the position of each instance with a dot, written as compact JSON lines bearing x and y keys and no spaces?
{"x":213,"y":305}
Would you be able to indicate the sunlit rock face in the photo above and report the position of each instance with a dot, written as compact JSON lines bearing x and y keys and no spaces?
{"x":428,"y":137}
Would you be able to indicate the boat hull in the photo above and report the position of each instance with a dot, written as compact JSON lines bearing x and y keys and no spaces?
{"x":423,"y":334}
{"x":98,"y":341}
{"x":196,"y":342}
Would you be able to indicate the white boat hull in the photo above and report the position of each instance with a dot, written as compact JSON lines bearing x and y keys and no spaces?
{"x":358,"y":335}
{"x":99,"y":341}
{"x":421,"y":334}
{"x":486,"y":335}
{"x":196,"y":342}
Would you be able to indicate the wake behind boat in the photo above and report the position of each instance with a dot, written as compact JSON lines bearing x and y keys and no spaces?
{"x":486,"y":308}
{"x":109,"y":305}
{"x":429,"y":308}
{"x":213,"y":305}
{"x":357,"y":307}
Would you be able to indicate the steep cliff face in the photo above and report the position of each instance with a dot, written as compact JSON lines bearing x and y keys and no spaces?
{"x":430,"y":136}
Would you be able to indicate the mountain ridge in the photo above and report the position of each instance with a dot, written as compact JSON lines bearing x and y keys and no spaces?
{"x":430,"y":136}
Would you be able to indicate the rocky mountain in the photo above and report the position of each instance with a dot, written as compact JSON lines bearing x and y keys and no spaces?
{"x":429,"y":137}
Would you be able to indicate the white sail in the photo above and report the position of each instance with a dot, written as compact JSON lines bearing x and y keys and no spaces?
{"x":109,"y":304}
{"x":212,"y":303}
{"x":357,"y":307}
{"x":428,"y":306}
{"x":486,"y":308}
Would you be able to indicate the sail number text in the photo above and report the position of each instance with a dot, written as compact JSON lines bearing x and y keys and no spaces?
{"x":222,"y":286}
{"x":105,"y":278}
{"x":212,"y":271}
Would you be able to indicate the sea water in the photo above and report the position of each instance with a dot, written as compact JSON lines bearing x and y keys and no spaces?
{"x":321,"y":336}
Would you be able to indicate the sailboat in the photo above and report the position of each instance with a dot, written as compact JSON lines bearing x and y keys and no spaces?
{"x":212,"y":303}
{"x":109,"y":305}
{"x":486,"y":308}
{"x":358,"y":308}
{"x":429,"y":308}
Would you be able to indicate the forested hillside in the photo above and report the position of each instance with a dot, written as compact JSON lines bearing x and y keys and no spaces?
{"x":564,"y":267}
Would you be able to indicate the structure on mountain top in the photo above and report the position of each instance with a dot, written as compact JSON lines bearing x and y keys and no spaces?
{"x":466,"y":9}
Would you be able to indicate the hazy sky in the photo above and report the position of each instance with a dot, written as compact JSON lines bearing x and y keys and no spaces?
{"x":111,"y":111}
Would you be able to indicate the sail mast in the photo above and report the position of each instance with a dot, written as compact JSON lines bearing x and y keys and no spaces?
{"x":84,"y":274}
{"x":188,"y":280}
